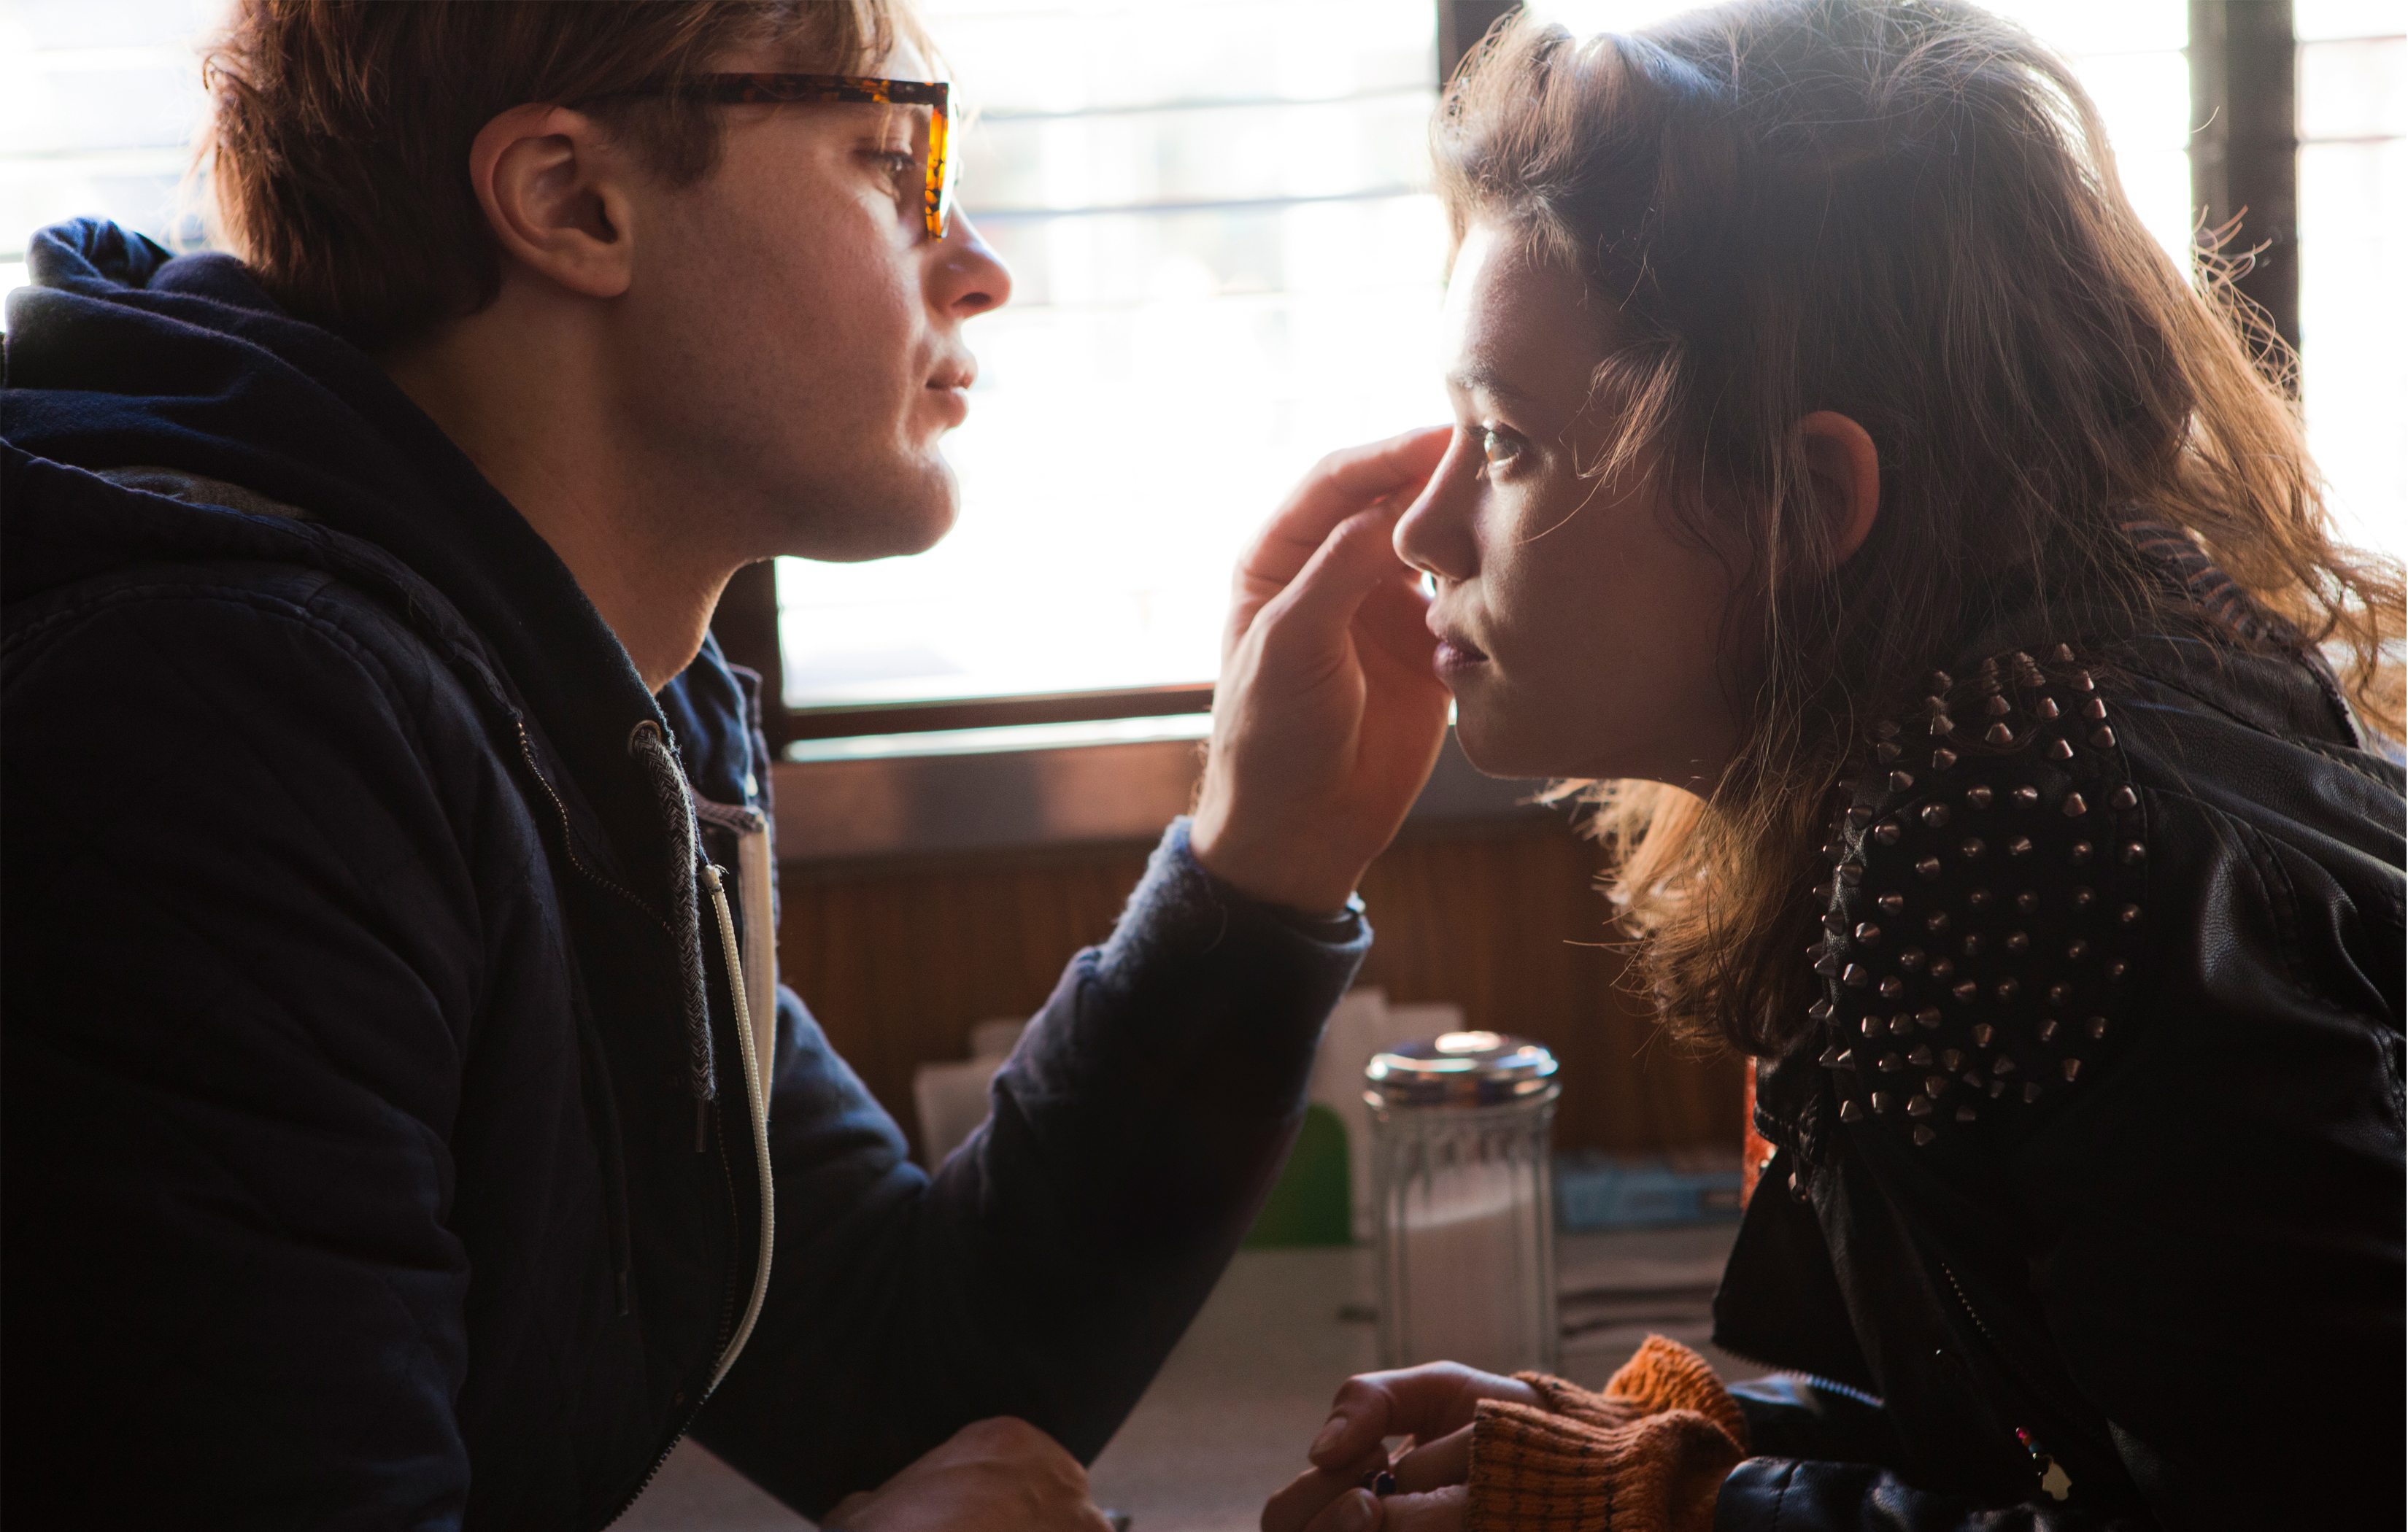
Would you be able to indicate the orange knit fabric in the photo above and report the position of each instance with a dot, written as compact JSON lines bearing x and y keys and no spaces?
{"x":1649,"y":1455}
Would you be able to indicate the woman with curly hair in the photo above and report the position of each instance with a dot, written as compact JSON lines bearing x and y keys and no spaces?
{"x":1930,"y":586}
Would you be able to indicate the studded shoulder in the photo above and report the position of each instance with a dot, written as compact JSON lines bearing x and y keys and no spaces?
{"x":1983,"y":923}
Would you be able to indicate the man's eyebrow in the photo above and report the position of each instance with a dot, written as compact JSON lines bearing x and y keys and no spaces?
{"x":1480,"y":378}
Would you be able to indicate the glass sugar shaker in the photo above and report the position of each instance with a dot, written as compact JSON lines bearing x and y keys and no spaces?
{"x":1460,"y":1126}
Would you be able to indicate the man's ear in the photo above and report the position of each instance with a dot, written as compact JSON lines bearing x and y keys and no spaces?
{"x":1843,"y":474}
{"x":554,"y":188}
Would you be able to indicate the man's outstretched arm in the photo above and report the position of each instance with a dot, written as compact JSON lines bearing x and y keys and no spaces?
{"x":1056,"y":1259}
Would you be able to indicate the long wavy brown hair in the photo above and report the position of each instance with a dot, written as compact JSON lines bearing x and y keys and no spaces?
{"x":1906,"y":211}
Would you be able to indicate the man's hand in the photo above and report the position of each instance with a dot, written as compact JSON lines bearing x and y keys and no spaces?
{"x":1434,"y":1406}
{"x":1000,"y":1475}
{"x":1328,"y":716}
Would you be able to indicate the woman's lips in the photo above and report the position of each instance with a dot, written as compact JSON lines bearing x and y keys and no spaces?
{"x":1456,"y":655}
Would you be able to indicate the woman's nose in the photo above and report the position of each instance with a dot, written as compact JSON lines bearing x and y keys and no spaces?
{"x":1435,"y":534}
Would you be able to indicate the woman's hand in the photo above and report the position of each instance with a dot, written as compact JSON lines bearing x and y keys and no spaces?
{"x":1329,"y":715}
{"x":1433,"y":1405}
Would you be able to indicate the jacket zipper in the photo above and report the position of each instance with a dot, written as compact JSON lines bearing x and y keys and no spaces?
{"x":728,"y":1292}
{"x":2044,"y":1463}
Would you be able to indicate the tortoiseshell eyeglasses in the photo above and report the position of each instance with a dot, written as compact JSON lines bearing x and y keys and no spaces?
{"x":778,"y":90}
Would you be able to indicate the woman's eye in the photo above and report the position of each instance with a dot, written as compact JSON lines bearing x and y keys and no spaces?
{"x":1496,"y":448}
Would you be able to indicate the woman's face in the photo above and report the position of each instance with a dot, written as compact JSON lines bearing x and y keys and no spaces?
{"x":1578,"y":628}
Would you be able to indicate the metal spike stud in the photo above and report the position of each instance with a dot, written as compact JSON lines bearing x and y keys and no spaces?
{"x":1885,"y":753}
{"x":1978,"y":899}
{"x":1965,"y":1113}
{"x":1943,"y":968}
{"x":1923,"y":1136}
{"x":1852,"y":873}
{"x":2116,"y":971}
{"x":1965,"y":991}
{"x":1998,"y":707}
{"x":2095,"y":710}
{"x":2082,"y":682}
{"x":1891,"y":1063}
{"x":1887,"y":831}
{"x":2084,"y":898}
{"x":1900,"y":781}
{"x":1891,"y":987}
{"x":2028,"y":901}
{"x":2096,"y":1026}
{"x":2129,"y":914}
{"x":2024,"y":796}
{"x":2018,"y":944}
{"x":2031,"y":1091}
{"x":2062,"y":654}
{"x":2076,"y":949}
{"x":1859,"y":816}
{"x":1998,"y":733}
{"x":1883,"y":1101}
{"x":2080,"y":853}
{"x":1929,"y":1018}
{"x":1935,"y":1084}
{"x":1891,"y":904}
{"x":1831,"y":1059}
{"x":1936,"y":921}
{"x":1827,"y":964}
{"x":1942,"y":726}
{"x":1952,"y":1059}
{"x":2124,"y":797}
{"x":1851,"y":1112}
{"x":1919,"y":1106}
{"x":1920,"y":1057}
{"x":2059,"y":993}
{"x":1869,"y":934}
{"x":1819,"y":1011}
{"x":2046,"y":708}
{"x":1982,"y":1034}
{"x":1910,"y":959}
{"x":1973,"y":847}
{"x":1900,"y":1025}
{"x":2004,"y":1065}
{"x":1934,"y":815}
{"x":1998,"y":1088}
{"x":1885,"y":729}
{"x":2010,"y":987}
{"x":1942,"y":759}
{"x":1870,"y":1026}
{"x":2060,"y":751}
{"x":2020,"y":846}
{"x":1856,"y":976}
{"x":1937,"y":681}
{"x":2102,"y":737}
{"x":1927,"y":869}
{"x":2071,"y":1068}
{"x":2132,"y":853}
{"x":1978,"y":796}
{"x":2047,"y":1028}
{"x":1972,"y":944}
{"x":2073,"y":807}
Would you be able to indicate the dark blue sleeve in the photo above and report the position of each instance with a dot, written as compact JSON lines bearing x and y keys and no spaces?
{"x":1816,"y":1497}
{"x":1052,"y":1262}
{"x":240,"y":952}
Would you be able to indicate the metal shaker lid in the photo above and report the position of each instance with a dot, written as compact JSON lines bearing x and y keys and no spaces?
{"x":1460,"y":1070}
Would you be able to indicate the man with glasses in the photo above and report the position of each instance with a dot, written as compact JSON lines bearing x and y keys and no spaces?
{"x":404,"y":1125}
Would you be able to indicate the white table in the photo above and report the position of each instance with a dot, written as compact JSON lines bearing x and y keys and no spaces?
{"x":1227,"y":1420}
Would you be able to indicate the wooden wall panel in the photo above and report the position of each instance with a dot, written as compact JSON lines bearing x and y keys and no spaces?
{"x":899,"y":959}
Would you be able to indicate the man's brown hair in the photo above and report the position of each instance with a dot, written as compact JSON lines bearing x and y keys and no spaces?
{"x":339,"y":130}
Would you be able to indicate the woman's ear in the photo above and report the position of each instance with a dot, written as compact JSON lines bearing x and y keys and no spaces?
{"x":1843,"y":475}
{"x":552,"y":190}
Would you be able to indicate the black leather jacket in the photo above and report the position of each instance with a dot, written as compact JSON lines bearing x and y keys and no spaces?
{"x":2086,"y":1203}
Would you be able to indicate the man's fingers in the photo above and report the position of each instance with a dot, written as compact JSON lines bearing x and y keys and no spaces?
{"x":1339,"y":485}
{"x":1350,"y":563}
{"x":1298,"y":1506}
{"x":1446,"y":1461}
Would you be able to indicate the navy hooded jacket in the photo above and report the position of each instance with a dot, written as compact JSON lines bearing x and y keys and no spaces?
{"x":376,"y":1148}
